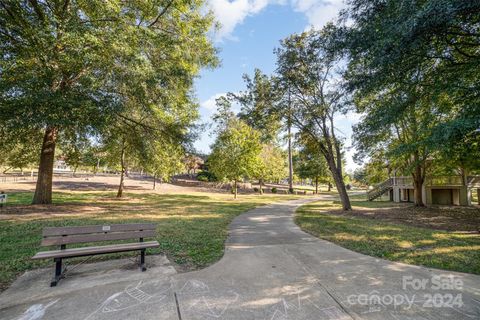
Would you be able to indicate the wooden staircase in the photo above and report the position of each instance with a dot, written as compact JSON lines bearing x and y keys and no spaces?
{"x":380,"y":189}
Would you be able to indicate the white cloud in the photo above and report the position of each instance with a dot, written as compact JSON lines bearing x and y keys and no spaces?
{"x":210,"y":104}
{"x":318,"y":12}
{"x":232,"y":13}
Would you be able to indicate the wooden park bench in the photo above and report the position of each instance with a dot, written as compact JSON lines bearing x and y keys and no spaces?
{"x":63,"y":236}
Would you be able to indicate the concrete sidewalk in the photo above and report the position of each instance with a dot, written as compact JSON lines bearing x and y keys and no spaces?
{"x":271,"y":271}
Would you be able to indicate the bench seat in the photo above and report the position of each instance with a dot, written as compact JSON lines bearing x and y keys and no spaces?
{"x":88,"y":251}
{"x":74,"y":235}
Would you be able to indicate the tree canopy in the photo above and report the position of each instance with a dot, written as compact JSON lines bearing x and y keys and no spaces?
{"x":412,"y":71}
{"x":80,"y":67}
{"x":235,"y":153}
{"x":306,"y":71}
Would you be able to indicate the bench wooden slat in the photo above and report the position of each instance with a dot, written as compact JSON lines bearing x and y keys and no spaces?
{"x":59,"y":231}
{"x":87,"y":251}
{"x":83,"y":238}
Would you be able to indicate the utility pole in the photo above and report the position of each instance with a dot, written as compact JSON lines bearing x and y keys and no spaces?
{"x":289,"y":132}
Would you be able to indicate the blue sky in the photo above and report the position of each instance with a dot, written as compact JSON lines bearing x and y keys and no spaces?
{"x":250,"y":30}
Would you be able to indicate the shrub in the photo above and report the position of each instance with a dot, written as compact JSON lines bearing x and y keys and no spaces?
{"x":274,"y":190}
{"x":206,"y":176}
{"x":203,"y":178}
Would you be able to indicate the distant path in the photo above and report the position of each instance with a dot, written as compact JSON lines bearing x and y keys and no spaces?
{"x":272,"y":270}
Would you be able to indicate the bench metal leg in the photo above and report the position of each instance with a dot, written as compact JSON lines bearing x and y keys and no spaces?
{"x":142,"y":260}
{"x":58,"y":272}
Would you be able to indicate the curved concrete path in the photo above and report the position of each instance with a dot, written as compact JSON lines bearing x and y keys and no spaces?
{"x":271,"y":271}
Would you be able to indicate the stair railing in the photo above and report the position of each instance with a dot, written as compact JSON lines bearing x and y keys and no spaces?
{"x":380,"y":189}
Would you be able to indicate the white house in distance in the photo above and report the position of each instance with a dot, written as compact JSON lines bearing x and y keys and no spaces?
{"x":60,"y":166}
{"x":436,"y":190}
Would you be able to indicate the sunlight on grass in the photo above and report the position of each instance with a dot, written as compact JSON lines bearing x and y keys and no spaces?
{"x":404,"y":244}
{"x":191,"y":228}
{"x":349,"y":237}
{"x":458,"y":251}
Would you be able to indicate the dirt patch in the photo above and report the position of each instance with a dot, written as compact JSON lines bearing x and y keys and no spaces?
{"x":22,"y":212}
{"x":98,"y":183}
{"x":441,"y":218}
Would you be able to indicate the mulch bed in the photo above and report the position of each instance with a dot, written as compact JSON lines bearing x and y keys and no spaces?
{"x":448,"y":218}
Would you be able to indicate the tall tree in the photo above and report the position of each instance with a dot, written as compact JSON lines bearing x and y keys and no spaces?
{"x":412,"y":67}
{"x":65,"y":65}
{"x":256,"y":106}
{"x":271,"y":166}
{"x":310,"y":163}
{"x":306,"y":74}
{"x":257,"y":110}
{"x":235,"y":153}
{"x":398,"y":123}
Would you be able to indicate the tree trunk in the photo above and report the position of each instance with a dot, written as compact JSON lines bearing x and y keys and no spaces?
{"x":418,"y":179}
{"x":417,"y":191}
{"x":235,"y":189}
{"x":342,"y":191}
{"x":260,"y":182}
{"x":417,"y":186}
{"x":97,"y":167}
{"x":464,"y":174}
{"x":122,"y":174}
{"x":338,"y":179}
{"x":43,"y":189}
{"x":316,"y":185}
{"x":329,"y":187}
{"x":154,"y":181}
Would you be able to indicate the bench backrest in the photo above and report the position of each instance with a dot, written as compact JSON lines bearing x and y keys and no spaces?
{"x":57,"y":236}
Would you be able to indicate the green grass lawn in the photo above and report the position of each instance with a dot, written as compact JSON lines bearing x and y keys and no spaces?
{"x":450,"y":250}
{"x":191,"y":228}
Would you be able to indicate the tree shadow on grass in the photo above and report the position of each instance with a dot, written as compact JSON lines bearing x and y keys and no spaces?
{"x":421,"y":246}
{"x":191,"y":229}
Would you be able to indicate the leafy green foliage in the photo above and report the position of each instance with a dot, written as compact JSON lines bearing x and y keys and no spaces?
{"x":119,"y":71}
{"x":412,"y":69}
{"x":311,"y":97}
{"x":257,"y":106}
{"x":272,"y":165}
{"x":235,"y":153}
{"x":310,"y":163}
{"x":19,"y":149}
{"x":206,"y":176}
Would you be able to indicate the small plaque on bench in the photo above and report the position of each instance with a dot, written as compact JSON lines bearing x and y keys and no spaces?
{"x":106,"y":228}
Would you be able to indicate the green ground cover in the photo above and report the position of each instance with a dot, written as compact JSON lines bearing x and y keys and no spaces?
{"x":402,"y":242}
{"x":191,"y":228}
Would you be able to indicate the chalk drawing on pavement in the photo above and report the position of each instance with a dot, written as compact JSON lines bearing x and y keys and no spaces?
{"x":299,"y":307}
{"x":133,"y":296}
{"x":194,"y":287}
{"x":36,"y":311}
{"x":213,"y":305}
